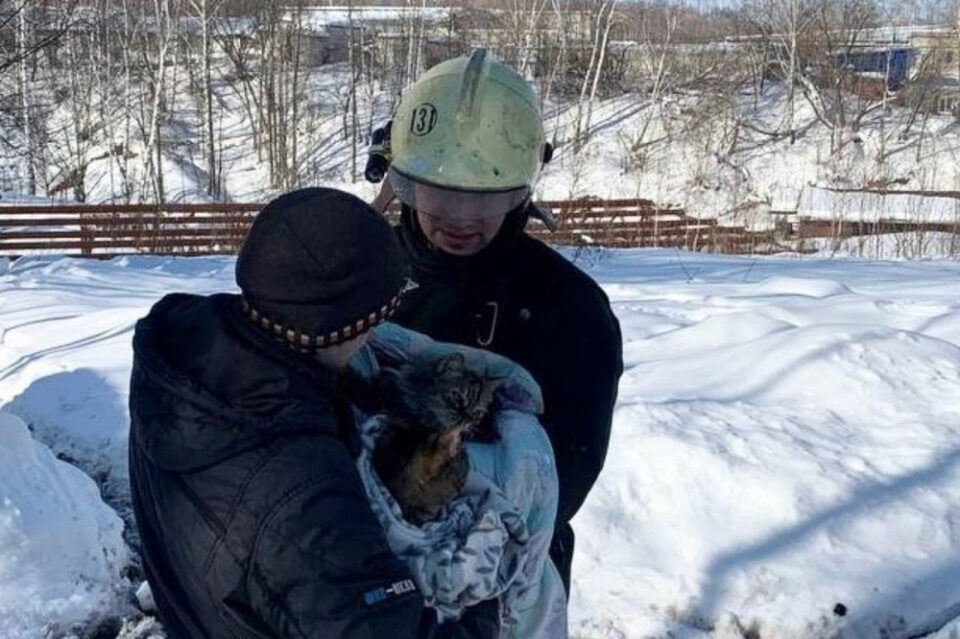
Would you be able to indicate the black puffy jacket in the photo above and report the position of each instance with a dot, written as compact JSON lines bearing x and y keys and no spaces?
{"x":521,"y":299}
{"x":251,"y":513}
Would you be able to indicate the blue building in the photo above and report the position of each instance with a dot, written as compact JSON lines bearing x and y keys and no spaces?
{"x":893,"y":63}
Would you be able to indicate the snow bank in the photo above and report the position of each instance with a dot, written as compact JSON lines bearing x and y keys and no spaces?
{"x":61,"y":547}
{"x":914,"y":245}
{"x":65,"y":331}
{"x":870,"y":207}
{"x":785,"y":446}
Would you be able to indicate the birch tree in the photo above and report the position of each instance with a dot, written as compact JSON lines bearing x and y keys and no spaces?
{"x":605,"y":12}
{"x":784,"y":26}
{"x":522,"y":19}
{"x":206,"y":11}
{"x":157,"y":33}
{"x":24,"y":45}
{"x":559,"y":61}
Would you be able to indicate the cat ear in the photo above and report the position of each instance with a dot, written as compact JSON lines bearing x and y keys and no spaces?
{"x":452,"y":363}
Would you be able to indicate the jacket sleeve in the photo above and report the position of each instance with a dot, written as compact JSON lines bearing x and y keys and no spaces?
{"x":321,"y":567}
{"x":580,"y":389}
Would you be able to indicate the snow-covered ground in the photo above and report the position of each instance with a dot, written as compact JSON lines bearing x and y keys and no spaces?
{"x":785,"y":447}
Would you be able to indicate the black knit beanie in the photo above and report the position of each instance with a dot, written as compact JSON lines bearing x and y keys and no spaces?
{"x":319,"y":267}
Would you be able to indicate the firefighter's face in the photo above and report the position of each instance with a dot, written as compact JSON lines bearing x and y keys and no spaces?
{"x":457,"y":221}
{"x":460,"y":235}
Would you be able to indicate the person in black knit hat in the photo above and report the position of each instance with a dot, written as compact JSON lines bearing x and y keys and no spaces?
{"x":322,"y":266}
{"x":252,"y":516}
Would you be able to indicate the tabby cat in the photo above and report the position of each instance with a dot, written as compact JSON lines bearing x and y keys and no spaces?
{"x":431,"y":408}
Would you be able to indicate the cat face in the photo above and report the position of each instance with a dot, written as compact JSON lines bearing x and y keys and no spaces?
{"x":441,"y":394}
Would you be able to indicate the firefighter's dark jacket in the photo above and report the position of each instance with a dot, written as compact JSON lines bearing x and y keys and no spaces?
{"x":251,"y":513}
{"x":520,"y":298}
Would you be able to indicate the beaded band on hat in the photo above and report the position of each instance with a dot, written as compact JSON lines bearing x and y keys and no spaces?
{"x":307,"y":342}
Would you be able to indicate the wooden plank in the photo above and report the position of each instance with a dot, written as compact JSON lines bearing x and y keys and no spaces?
{"x":94,"y":245}
{"x":121,"y":209}
{"x":78,"y":240}
{"x":151,"y":222}
{"x":142,"y":233}
{"x":246,"y":222}
{"x":641,"y":233}
{"x":120,"y":252}
{"x":591,"y":204}
{"x":644,"y":227}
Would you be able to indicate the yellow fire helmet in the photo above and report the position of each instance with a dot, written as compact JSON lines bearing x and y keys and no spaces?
{"x":467,"y":139}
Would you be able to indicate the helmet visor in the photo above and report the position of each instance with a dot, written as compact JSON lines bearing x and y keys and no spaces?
{"x":456,"y":204}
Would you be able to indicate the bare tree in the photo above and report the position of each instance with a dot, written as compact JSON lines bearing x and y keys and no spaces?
{"x":268,"y":80}
{"x":354,"y":79}
{"x":206,"y":12}
{"x":24,"y":13}
{"x":25,"y":44}
{"x":605,"y":11}
{"x":839,"y":27}
{"x":521,"y":19}
{"x":784,"y":28}
{"x":558,"y":61}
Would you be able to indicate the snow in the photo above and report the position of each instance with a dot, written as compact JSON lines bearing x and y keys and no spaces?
{"x":916,"y":245}
{"x":785,"y":441}
{"x":870,"y":207}
{"x":785,"y":438}
{"x":320,"y":17}
{"x":65,"y":330}
{"x":718,"y":158}
{"x":61,"y":547}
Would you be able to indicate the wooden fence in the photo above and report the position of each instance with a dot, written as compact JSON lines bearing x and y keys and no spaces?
{"x":206,"y":229}
{"x":807,"y":228}
{"x":219,"y":228}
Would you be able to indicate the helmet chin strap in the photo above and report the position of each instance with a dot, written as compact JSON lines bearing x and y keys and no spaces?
{"x":384,"y":198}
{"x":543,"y":214}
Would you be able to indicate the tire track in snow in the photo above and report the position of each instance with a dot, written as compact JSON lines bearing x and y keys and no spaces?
{"x":29,"y":358}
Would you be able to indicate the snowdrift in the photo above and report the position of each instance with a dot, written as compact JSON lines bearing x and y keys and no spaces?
{"x":61,"y":547}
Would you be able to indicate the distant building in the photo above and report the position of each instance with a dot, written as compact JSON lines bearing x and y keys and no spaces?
{"x":934,"y":64}
{"x":330,"y":30}
{"x":890,"y":63}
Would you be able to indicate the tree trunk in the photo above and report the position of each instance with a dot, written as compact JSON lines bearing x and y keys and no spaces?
{"x":561,"y":55}
{"x":213,"y":179}
{"x":586,"y":77}
{"x":599,"y":69}
{"x":23,"y":46}
{"x":353,"y":94}
{"x":294,"y":168}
